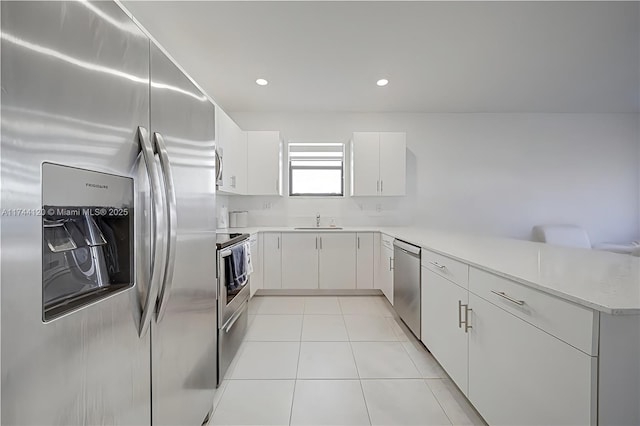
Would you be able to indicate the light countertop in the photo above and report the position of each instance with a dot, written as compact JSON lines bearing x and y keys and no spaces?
{"x":604,"y":281}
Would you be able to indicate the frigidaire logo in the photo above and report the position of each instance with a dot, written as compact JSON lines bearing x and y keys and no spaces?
{"x":96,"y":185}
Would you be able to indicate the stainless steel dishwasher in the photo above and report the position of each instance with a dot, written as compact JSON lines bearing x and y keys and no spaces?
{"x":406,"y":284}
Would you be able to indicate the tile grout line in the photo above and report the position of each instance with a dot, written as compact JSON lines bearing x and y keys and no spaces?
{"x":412,"y":361}
{"x":295,"y":382}
{"x":410,"y":339}
{"x":424,"y":380}
{"x":215,"y":407}
{"x":438,"y":399}
{"x":353,"y":355}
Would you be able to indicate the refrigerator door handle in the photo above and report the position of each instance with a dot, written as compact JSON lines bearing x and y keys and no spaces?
{"x":158,"y":242}
{"x":171,"y":209}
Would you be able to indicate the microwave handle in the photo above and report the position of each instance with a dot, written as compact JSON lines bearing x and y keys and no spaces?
{"x":219,"y":164}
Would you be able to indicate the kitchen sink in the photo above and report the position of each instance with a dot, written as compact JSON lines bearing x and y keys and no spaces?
{"x":319,"y":228}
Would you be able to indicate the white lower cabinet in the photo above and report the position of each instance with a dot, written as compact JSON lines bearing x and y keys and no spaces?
{"x":272,"y":260}
{"x":385,"y":267}
{"x":255,"y":280}
{"x":519,"y":374}
{"x":299,"y":260}
{"x":503,"y":356}
{"x":337,"y":261}
{"x":319,"y":260}
{"x":443,"y":328}
{"x":365,"y":260}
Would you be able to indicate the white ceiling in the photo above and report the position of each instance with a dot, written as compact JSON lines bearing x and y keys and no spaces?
{"x":438,"y":56}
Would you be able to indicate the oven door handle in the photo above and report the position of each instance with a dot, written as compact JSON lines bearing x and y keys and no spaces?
{"x":235,"y":317}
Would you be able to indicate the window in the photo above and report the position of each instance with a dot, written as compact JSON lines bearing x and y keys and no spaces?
{"x":316,"y":169}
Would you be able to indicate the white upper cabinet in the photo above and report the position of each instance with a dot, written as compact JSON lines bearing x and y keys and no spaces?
{"x":365,"y":160}
{"x":239,"y":162}
{"x":264,"y":163}
{"x":231,"y":143}
{"x":393,"y":163}
{"x":378,"y":163}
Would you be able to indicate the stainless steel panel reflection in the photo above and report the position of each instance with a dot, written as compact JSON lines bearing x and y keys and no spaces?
{"x":406,"y":287}
{"x":230,"y":336}
{"x":74,"y":89}
{"x":184,"y":338}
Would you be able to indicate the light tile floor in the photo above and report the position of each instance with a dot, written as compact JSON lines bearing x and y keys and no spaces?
{"x":335,"y":361}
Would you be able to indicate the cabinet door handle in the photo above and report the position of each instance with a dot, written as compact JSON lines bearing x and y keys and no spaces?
{"x":377,"y":186}
{"x":381,"y":183}
{"x":316,"y":243}
{"x":278,"y":243}
{"x":437,"y":265}
{"x":466,"y":316}
{"x":320,"y":243}
{"x":467,"y":326}
{"x":390,"y":263}
{"x":358,"y":243}
{"x":509,"y":298}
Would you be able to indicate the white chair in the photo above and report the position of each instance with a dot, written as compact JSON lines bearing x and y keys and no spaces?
{"x":562,"y":235}
{"x":575,"y":236}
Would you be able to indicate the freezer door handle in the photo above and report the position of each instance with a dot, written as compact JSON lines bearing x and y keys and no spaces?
{"x":158,"y":233}
{"x":171,"y":225}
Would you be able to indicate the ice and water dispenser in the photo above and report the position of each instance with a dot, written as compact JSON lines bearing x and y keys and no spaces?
{"x":88,"y":237}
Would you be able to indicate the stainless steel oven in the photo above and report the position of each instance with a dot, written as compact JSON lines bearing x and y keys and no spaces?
{"x":233,"y":304}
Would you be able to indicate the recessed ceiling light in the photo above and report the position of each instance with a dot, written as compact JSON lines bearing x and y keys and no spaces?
{"x":382,"y":82}
{"x":261,"y":82}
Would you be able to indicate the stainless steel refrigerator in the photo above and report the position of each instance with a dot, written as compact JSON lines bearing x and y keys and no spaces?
{"x":107,"y":247}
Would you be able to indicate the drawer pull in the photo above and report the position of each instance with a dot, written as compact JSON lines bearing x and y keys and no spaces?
{"x":437,"y":265}
{"x":509,"y":298}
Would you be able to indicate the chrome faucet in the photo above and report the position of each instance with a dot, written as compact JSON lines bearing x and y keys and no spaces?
{"x":318,"y":220}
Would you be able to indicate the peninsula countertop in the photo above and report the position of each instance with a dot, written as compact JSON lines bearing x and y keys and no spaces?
{"x":600,"y":280}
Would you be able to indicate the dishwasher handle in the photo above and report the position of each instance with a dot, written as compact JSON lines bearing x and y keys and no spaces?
{"x":407,"y":248}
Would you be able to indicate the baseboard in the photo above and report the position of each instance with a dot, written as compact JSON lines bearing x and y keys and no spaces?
{"x":318,"y":292}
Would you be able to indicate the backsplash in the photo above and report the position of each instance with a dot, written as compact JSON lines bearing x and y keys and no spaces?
{"x":343,"y":211}
{"x":222,"y":204}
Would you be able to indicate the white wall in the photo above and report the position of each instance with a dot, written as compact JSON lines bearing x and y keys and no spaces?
{"x":498,"y":174}
{"x":222,"y":201}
